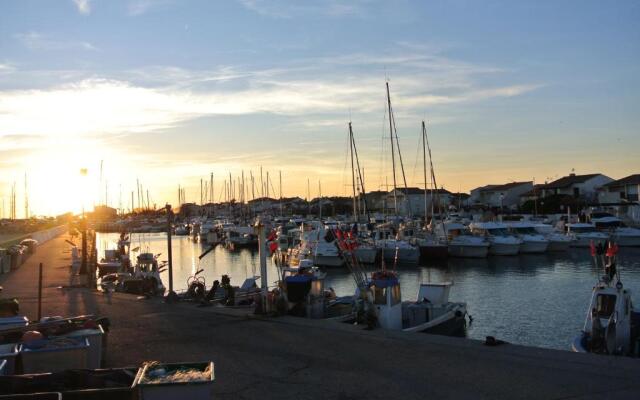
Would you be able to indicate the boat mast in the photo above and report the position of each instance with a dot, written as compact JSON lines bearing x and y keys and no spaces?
{"x":433,"y":174}
{"x":393,"y":155}
{"x":320,"y":200}
{"x":424,"y":169}
{"x":360,"y":172}
{"x":353,"y":175}
{"x":280,"y":176}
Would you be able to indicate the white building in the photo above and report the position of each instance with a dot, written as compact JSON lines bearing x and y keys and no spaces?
{"x":623,"y":190}
{"x":579,"y":186}
{"x":503,"y":196}
{"x":411,"y":201}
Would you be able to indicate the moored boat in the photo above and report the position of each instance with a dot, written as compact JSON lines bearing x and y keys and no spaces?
{"x":502,"y":243}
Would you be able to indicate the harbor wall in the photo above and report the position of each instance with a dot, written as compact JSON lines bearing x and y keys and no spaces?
{"x":41,"y":236}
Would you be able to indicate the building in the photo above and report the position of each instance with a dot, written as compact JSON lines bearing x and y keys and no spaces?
{"x":104,"y":214}
{"x":411,"y":201}
{"x":583,"y":187}
{"x":623,"y":190}
{"x":376,"y":200}
{"x":500,"y":196}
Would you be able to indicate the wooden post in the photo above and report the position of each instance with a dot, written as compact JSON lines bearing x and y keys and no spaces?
{"x":40,"y":292}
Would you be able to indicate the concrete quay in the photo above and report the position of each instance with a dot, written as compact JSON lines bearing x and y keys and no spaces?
{"x":294,"y":358}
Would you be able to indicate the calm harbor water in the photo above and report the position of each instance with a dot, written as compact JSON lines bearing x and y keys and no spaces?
{"x":537,"y":300}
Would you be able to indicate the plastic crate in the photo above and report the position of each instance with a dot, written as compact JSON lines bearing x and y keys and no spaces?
{"x":175,"y":390}
{"x":55,"y":355}
{"x":9,"y":352}
{"x":96,"y":338}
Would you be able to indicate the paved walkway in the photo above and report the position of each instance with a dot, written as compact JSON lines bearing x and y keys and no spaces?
{"x":291,"y":358}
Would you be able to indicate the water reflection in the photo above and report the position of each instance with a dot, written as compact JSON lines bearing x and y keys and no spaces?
{"x":537,"y":299}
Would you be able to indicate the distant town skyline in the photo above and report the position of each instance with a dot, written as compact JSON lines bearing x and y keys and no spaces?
{"x":166,"y":92}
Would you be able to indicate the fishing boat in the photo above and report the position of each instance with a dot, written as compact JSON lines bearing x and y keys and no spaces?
{"x":612,"y":326}
{"x":583,"y":234}
{"x":145,"y":278}
{"x":532,"y":241}
{"x":502,"y":243}
{"x":460,"y":241}
{"x":431,"y":312}
{"x":303,"y":294}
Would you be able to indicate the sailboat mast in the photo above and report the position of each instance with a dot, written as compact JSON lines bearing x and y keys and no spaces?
{"x":393,"y":155}
{"x":353,"y":175}
{"x":433,"y":174}
{"x":424,"y":169}
{"x":320,"y":200}
{"x":280,"y":176}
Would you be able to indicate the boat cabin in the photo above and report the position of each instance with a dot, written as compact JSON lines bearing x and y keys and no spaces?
{"x":386,"y":297}
{"x":609,"y":319}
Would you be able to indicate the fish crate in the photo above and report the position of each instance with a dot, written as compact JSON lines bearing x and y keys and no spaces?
{"x":9,"y":352}
{"x":76,"y":384}
{"x":154,"y":381}
{"x":97,"y":344}
{"x":58,"y":354}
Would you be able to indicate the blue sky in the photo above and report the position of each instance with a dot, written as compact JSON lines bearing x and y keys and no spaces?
{"x":168,"y":91}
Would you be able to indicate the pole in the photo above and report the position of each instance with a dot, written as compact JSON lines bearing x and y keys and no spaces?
{"x":280,"y":173}
{"x":40,"y":292}
{"x":169,"y":250}
{"x":353,"y":175}
{"x":393,"y":153}
{"x":263,"y":262}
{"x":83,"y":266}
{"x":424,"y":170}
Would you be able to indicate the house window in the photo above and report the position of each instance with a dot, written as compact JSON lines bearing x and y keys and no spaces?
{"x":576,"y":192}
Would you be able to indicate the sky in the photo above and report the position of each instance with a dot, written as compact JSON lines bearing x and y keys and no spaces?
{"x":166,"y":92}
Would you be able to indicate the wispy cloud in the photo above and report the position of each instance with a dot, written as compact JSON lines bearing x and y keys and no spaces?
{"x":6,"y":68}
{"x":37,"y":41}
{"x":83,"y":6}
{"x":292,"y":8}
{"x":321,"y":90}
{"x":139,"y":7}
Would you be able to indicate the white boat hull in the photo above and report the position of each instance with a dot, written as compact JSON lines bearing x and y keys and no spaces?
{"x":461,"y":250}
{"x":405,"y":256}
{"x":504,"y":249}
{"x":533,"y":247}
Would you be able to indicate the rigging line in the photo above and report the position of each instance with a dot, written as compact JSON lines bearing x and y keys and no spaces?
{"x":415,"y":165}
{"x":344,"y":169}
{"x":355,"y":150}
{"x":404,"y":178}
{"x":383,"y":141}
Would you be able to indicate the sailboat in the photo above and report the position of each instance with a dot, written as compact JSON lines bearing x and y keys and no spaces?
{"x":394,"y":249}
{"x":430,"y":247}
